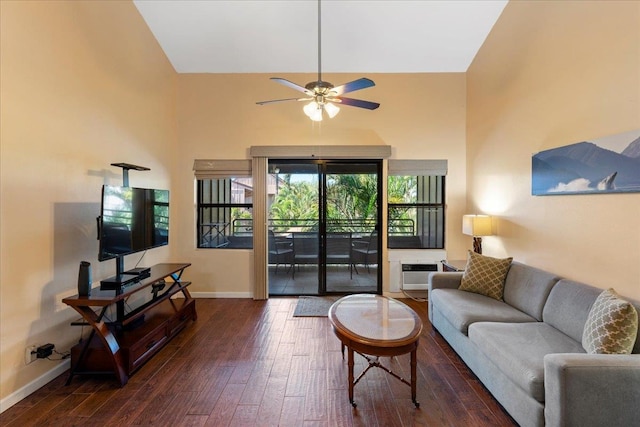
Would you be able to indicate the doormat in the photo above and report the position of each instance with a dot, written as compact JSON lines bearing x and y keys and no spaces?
{"x":314,"y":306}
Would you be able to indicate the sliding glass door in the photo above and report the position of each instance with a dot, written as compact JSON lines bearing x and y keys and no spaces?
{"x":293,"y":207}
{"x":352,"y":219}
{"x":323,"y":225}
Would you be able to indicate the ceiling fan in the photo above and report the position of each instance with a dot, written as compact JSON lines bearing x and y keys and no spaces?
{"x":323,"y":95}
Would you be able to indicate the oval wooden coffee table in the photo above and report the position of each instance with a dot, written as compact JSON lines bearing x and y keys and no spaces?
{"x":375,"y":326}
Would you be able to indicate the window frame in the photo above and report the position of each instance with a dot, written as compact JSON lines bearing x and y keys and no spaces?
{"x":220,"y":231}
{"x":209,"y":228}
{"x":427,"y":169}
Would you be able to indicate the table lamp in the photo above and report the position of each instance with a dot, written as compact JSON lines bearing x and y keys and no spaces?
{"x":477,"y":226}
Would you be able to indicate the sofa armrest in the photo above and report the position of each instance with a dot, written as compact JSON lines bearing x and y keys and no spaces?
{"x":591,"y":389}
{"x":449,"y":280}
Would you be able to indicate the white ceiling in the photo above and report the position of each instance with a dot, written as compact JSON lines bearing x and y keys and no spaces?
{"x":270,"y":36}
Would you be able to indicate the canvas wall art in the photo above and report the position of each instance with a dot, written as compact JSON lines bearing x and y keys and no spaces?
{"x":604,"y":165}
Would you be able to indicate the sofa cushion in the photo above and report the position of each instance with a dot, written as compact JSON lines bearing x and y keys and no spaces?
{"x":612,"y":325}
{"x":462,"y":308}
{"x":527,"y":288}
{"x":485,"y":275}
{"x":518,"y":349}
{"x":568,"y":306}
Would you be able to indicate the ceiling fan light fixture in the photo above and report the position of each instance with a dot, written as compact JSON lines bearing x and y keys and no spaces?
{"x":313,"y":110}
{"x":323,"y":94}
{"x":331,"y":109}
{"x":317,"y":116}
{"x":310,"y":108}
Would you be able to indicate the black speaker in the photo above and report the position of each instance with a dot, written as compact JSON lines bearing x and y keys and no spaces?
{"x":84,"y":279}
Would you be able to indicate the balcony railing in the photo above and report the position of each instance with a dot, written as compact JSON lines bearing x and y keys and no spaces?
{"x":401,"y":232}
{"x":397,"y":227}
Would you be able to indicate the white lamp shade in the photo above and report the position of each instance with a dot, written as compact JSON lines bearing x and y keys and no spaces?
{"x":310,"y":108}
{"x":477,"y":225}
{"x":317,"y":115}
{"x":314,"y":111}
{"x":331,"y":109}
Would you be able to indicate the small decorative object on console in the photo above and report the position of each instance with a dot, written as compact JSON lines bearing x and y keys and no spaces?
{"x":84,"y":279}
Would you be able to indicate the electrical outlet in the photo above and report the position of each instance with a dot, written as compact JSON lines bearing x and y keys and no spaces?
{"x":44,"y":351}
{"x":30,"y":354}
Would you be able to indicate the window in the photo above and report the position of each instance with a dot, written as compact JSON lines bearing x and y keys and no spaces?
{"x":225,"y":213}
{"x":224,"y":203}
{"x":416,"y":204}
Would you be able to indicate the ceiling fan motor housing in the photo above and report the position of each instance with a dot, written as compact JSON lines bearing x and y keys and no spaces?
{"x":319,"y":87}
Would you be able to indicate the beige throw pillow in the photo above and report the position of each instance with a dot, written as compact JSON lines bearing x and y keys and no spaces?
{"x":485,"y":275}
{"x":612,"y":325}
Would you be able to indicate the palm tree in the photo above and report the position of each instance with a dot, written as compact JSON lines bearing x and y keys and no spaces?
{"x":296,"y":201}
{"x":352,"y":197}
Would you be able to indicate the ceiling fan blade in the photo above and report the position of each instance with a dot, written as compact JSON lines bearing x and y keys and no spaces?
{"x":282,"y":100}
{"x":362,"y":83}
{"x":292,"y":85}
{"x":356,"y":102}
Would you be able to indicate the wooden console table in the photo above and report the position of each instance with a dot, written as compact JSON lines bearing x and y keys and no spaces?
{"x":374,"y":325}
{"x":120,"y":346}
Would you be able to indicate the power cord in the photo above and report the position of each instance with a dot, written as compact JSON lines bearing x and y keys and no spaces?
{"x":140,"y":260}
{"x":64,"y":355}
{"x":418,"y":299}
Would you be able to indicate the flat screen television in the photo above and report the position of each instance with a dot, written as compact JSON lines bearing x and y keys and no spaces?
{"x":132,"y":220}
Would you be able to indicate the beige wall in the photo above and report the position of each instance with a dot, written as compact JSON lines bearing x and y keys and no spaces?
{"x":421,"y":116}
{"x":550,"y":74}
{"x":84,"y":84}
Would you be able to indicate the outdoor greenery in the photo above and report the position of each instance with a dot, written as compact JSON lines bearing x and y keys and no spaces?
{"x":295,"y":200}
{"x":402,"y":189}
{"x":351,"y":200}
{"x":352,"y":197}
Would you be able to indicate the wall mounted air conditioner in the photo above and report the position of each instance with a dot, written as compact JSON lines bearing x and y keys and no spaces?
{"x":398,"y":257}
{"x":415,"y":277}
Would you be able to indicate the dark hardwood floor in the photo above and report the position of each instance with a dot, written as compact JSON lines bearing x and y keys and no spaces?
{"x":251,"y":363}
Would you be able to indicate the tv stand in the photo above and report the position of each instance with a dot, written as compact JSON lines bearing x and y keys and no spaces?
{"x":123,"y":345}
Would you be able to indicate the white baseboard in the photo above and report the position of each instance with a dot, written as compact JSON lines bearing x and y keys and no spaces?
{"x":34,"y":385}
{"x":222,"y":294}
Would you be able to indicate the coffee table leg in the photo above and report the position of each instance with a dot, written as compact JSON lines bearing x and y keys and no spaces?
{"x":350,"y":364}
{"x":414,"y":362}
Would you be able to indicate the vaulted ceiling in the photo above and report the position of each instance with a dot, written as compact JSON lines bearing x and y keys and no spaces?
{"x":269,"y":36}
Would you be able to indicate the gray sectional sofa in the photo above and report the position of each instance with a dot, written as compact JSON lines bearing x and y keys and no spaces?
{"x":527,"y":349}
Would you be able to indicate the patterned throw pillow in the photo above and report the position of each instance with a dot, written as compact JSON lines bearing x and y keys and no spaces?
{"x":612,"y":325}
{"x":485,"y":275}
